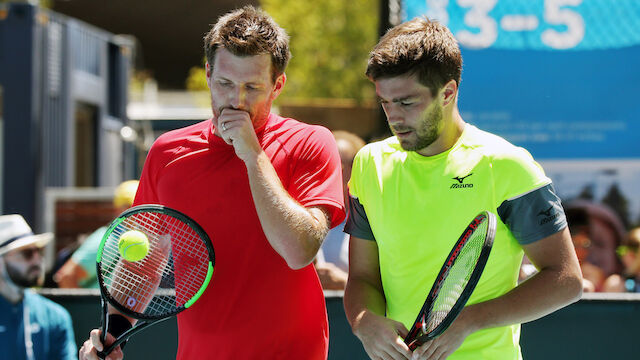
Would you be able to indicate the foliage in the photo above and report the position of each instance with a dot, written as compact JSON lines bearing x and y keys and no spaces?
{"x":330,"y":42}
{"x":616,"y":200}
{"x":196,"y":81}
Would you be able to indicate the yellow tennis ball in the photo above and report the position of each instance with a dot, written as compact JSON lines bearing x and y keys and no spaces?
{"x":133,"y":245}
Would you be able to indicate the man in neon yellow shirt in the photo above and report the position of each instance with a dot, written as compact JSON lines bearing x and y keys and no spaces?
{"x":412,"y":195}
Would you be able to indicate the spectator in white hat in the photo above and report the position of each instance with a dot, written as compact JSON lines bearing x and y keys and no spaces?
{"x":31,"y":326}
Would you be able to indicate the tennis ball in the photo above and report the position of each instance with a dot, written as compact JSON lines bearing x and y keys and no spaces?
{"x":133,"y":245}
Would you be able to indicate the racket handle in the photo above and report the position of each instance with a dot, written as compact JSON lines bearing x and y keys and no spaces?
{"x":117,"y":325}
{"x":103,"y":354}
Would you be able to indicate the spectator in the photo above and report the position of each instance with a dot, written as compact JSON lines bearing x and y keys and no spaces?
{"x":31,"y":326}
{"x":332,"y":261}
{"x":596,"y":231}
{"x":80,"y":269}
{"x":629,"y":253}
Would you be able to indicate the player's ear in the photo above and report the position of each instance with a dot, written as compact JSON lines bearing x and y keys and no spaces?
{"x":279,"y":85}
{"x":448,"y":92}
{"x":208,"y":72}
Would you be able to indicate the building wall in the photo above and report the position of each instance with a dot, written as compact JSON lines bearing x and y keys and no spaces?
{"x":169,"y":34}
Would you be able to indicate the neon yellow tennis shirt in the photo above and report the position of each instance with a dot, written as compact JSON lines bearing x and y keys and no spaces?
{"x":418,"y":206}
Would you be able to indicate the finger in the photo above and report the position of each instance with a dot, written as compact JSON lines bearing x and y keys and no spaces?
{"x":87,"y":351}
{"x":424,"y":351}
{"x":94,"y":337}
{"x":402,"y":330}
{"x":394,"y":355}
{"x":401,"y":348}
{"x":440,"y":355}
{"x":231,"y":112}
{"x":223,"y":127}
{"x":233,"y":117}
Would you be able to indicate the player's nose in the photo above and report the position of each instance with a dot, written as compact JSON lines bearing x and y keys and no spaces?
{"x":238,"y":98}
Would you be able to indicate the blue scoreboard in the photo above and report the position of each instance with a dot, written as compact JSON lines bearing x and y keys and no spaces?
{"x":559,"y":77}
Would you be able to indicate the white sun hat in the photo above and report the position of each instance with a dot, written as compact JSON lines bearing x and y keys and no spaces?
{"x":15,"y":234}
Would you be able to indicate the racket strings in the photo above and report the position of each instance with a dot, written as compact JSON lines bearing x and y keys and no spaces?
{"x":456,"y":278}
{"x":171,"y":273}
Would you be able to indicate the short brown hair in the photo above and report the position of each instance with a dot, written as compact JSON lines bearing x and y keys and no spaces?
{"x":246,"y":32}
{"x":422,"y":47}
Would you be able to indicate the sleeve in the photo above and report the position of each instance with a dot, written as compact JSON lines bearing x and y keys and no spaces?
{"x":534,"y":215}
{"x":316,"y":179}
{"x":357,"y":222}
{"x":528,"y":203}
{"x":64,"y":337}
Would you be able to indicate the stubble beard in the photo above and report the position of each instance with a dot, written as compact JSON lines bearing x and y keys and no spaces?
{"x":426,"y":132}
{"x":25,"y":280}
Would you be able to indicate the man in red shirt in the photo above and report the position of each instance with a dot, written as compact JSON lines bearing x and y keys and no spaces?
{"x":266,"y":189}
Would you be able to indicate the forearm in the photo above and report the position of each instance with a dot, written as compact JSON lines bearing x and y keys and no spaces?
{"x":293,"y":231}
{"x":70,"y":275}
{"x":362,"y":299}
{"x":542,"y":294}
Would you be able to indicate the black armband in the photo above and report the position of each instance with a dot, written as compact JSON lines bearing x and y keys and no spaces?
{"x":118,"y":324}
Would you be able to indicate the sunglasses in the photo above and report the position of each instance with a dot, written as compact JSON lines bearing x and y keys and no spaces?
{"x":625,"y":249}
{"x":29,"y":253}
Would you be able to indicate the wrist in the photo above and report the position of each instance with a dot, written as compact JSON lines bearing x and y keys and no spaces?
{"x":467,"y":321}
{"x":359,"y":322}
{"x":253,"y":160}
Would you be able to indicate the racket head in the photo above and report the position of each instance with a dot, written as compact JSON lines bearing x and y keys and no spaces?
{"x":456,"y":280}
{"x":180,"y":253}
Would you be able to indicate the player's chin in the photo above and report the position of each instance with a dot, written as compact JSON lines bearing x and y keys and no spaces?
{"x":407,"y":144}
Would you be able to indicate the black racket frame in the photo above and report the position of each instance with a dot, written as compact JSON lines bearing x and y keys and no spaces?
{"x":412,"y":339}
{"x":144,"y":321}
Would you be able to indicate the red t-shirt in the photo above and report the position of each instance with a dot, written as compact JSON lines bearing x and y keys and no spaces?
{"x":255,"y":307}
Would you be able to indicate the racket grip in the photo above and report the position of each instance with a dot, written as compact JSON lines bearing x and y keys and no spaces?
{"x":116,"y":326}
{"x":413,"y":338}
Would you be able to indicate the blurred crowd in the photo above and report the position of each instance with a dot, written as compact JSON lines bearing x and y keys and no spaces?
{"x":607,"y":251}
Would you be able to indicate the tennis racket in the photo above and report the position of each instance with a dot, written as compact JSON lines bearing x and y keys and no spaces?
{"x":455,"y":282}
{"x":172,"y":275}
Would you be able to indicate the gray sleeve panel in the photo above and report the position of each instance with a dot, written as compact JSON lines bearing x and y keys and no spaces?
{"x":357,"y":221}
{"x":534,"y":215}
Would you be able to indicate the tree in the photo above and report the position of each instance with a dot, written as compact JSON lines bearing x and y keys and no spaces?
{"x":616,"y":200}
{"x":330,"y":43}
{"x":587,"y":192}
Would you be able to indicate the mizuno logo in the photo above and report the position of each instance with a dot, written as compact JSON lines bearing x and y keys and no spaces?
{"x":546,"y":212}
{"x":461,"y":179}
{"x":460,"y":183}
{"x":548,"y":216}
